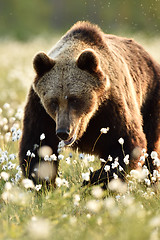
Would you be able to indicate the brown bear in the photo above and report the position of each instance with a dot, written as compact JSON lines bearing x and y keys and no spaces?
{"x":88,"y":81}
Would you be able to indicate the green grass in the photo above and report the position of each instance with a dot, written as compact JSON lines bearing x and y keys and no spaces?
{"x":69,"y":211}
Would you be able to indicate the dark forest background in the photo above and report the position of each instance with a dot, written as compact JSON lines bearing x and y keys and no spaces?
{"x":22,"y":19}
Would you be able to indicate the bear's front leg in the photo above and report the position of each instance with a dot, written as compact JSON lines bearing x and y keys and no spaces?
{"x":38,"y":133}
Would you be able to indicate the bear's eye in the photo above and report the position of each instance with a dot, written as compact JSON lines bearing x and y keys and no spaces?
{"x":74,"y":102}
{"x":54,"y":104}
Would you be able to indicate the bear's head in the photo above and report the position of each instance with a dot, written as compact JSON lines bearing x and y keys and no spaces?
{"x":71,"y":90}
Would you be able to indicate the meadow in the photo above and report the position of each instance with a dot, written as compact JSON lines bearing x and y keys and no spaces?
{"x":126,"y":211}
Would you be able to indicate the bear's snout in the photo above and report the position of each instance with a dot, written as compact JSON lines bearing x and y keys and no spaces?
{"x":63,"y":133}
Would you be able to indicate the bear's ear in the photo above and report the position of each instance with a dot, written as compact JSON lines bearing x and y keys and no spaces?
{"x":42,"y":63}
{"x":88,"y":61}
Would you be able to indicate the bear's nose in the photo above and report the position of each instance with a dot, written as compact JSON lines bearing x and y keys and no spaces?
{"x":63,"y":133}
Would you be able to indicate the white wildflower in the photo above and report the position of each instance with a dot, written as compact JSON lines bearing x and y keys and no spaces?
{"x":53,"y":157}
{"x":126,"y":159}
{"x":58,"y":182}
{"x":139,"y":174}
{"x":42,"y":137}
{"x":128,"y":200}
{"x":106,"y":168}
{"x":4,"y":121}
{"x":27,"y":183}
{"x":142,"y":159}
{"x":143,"y":150}
{"x":28,"y":153}
{"x":61,"y":144}
{"x":19,"y":133}
{"x":73,"y":220}
{"x":61,"y":182}
{"x":18,"y":168}
{"x":121,"y":141}
{"x":146,"y":155}
{"x":39,"y":228}
{"x":145,"y":171}
{"x":76,"y":199}
{"x":64,"y":216}
{"x":6,"y":106}
{"x":88,"y":216}
{"x":121,"y":168}
{"x":115,"y":176}
{"x":14,"y":138}
{"x":2,"y":159}
{"x":12,"y":120}
{"x":38,"y":187}
{"x":5,"y":128}
{"x":4,"y":167}
{"x":156,"y":162}
{"x":35,"y":146}
{"x":154,"y":234}
{"x":110,"y":158}
{"x":135,"y":174}
{"x":46,"y":170}
{"x":19,"y":114}
{"x":104,"y":130}
{"x":46,"y":158}
{"x":17,"y":177}
{"x":109,"y":203}
{"x":97,"y":192}
{"x":154,"y":179}
{"x":11,"y":165}
{"x":90,"y":158}
{"x":155,"y":221}
{"x":117,"y":185}
{"x":8,"y":186}
{"x":60,"y":157}
{"x":7,"y":196}
{"x":94,"y":206}
{"x":13,"y":129}
{"x":33,"y":155}
{"x":154,"y":155}
{"x":91,"y":169}
{"x":86,"y":176}
{"x":12,"y":156}
{"x":99,"y":221}
{"x":118,"y":197}
{"x":7,"y":136}
{"x":5,"y":176}
{"x":81,"y":156}
{"x":65,"y":183}
{"x":68,"y":160}
{"x":155,"y":173}
{"x":115,"y":164}
{"x":44,"y":150}
{"x":147,"y":181}
{"x":102,"y":160}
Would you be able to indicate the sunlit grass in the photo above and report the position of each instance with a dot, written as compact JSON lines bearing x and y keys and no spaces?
{"x":70,"y":211}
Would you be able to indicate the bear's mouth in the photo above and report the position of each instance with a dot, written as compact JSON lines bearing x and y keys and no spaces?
{"x":73,"y":137}
{"x":71,"y":140}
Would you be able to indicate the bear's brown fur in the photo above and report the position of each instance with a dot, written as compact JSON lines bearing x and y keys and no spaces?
{"x":89,"y":81}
